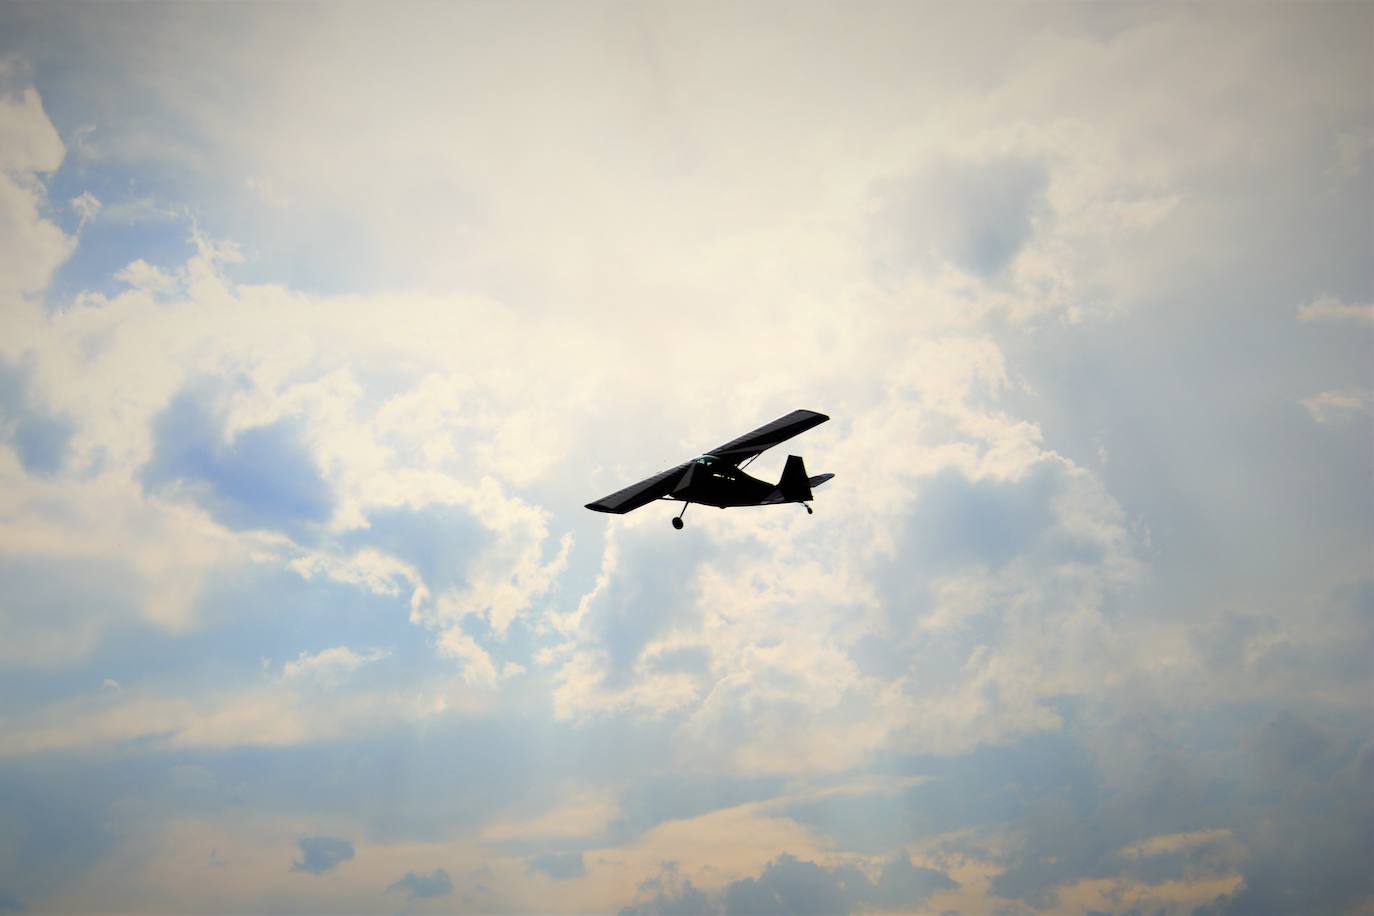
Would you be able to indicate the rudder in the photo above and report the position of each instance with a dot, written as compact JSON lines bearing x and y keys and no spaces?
{"x":794,"y":485}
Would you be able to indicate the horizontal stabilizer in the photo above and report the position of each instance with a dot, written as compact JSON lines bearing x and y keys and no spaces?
{"x":818,"y":480}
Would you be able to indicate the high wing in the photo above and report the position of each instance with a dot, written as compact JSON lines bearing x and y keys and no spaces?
{"x":765,"y":437}
{"x":642,"y":493}
{"x":733,"y":452}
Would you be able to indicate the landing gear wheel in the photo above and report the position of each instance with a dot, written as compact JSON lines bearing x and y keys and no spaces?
{"x":808,"y":509}
{"x":677,"y":522}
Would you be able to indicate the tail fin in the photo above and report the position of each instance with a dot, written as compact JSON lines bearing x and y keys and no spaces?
{"x":794,"y":485}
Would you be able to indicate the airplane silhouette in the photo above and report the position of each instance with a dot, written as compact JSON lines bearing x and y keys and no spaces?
{"x":717,"y":478}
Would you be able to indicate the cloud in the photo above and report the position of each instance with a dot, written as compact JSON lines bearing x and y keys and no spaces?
{"x":1335,"y":406}
{"x":1318,"y":782}
{"x":478,"y":668}
{"x":560,"y":866}
{"x":331,"y":665}
{"x":31,"y":247}
{"x":684,"y":900}
{"x":441,"y":542}
{"x":1328,"y":308}
{"x":261,"y":477}
{"x":790,"y":885}
{"x":320,"y":854}
{"x":87,"y":207}
{"x":420,"y":887}
{"x":144,"y":276}
{"x":979,"y":244}
{"x":40,"y":438}
{"x":977,"y":215}
{"x":29,"y":140}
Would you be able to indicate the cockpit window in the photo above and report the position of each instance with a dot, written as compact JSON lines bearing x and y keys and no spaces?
{"x":707,"y":460}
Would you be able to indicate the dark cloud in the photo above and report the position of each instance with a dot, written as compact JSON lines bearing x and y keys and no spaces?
{"x":560,"y":866}
{"x":902,"y":884}
{"x":792,"y":885}
{"x":39,"y":437}
{"x":265,"y":477}
{"x":789,"y":885}
{"x":320,"y":854}
{"x":687,"y":900}
{"x":671,"y":896}
{"x":417,"y":887}
{"x":1287,"y":801}
{"x":1310,"y":845}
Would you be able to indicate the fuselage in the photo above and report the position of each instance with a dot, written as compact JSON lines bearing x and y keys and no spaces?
{"x":721,"y":484}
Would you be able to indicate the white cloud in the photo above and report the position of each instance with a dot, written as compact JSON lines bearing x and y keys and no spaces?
{"x":331,"y":665}
{"x":31,"y":247}
{"x":87,"y":207}
{"x":1328,"y":308}
{"x":477,"y":666}
{"x":378,"y":572}
{"x":1337,"y":406}
{"x":1174,"y":842}
{"x":549,"y":316}
{"x":28,"y":140}
{"x":145,"y":277}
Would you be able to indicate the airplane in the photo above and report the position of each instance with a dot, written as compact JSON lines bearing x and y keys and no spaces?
{"x":717,"y":477}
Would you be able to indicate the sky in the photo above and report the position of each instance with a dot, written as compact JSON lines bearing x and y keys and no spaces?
{"x":320,"y":324}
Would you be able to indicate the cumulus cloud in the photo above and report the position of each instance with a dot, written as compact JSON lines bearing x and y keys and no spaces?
{"x":321,"y":854}
{"x":425,"y":365}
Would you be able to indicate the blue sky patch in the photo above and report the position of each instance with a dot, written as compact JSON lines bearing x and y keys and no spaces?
{"x":264,"y":477}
